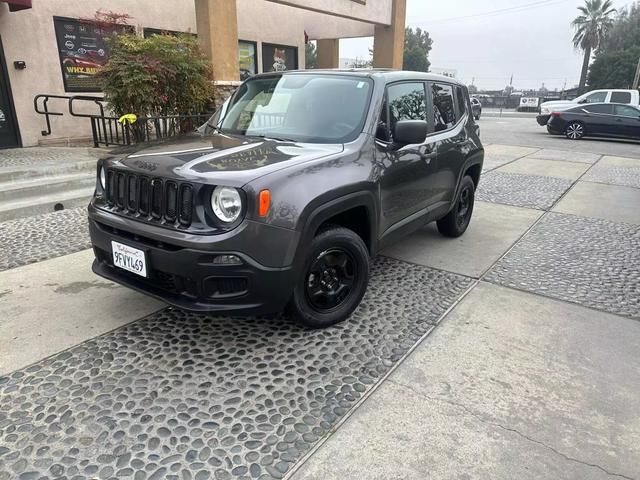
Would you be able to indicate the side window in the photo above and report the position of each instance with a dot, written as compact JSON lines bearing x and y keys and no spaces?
{"x":444,"y":112}
{"x":407,"y":101}
{"x":596,"y":97}
{"x":621,"y":97}
{"x":462,"y":101}
{"x":625,"y":111}
{"x":600,"y":108}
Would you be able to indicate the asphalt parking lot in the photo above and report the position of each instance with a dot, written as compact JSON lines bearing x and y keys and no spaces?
{"x":511,"y":352}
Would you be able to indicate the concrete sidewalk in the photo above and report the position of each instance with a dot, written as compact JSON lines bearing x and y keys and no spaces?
{"x":512,"y":385}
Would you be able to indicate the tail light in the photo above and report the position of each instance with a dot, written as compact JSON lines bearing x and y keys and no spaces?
{"x":555,"y":114}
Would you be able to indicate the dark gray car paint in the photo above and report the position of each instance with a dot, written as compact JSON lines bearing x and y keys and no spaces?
{"x":304,"y":178}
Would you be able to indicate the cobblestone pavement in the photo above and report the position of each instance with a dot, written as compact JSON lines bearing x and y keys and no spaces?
{"x":530,"y":191}
{"x":614,"y":175}
{"x":205,"y":397}
{"x":25,"y":157}
{"x":33,"y":239}
{"x":589,"y":261}
{"x":185,"y":396}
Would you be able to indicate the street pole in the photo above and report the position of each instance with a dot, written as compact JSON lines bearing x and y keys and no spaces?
{"x":636,"y":79}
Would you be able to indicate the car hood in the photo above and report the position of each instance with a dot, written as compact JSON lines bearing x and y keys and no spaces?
{"x":558,"y":104}
{"x":219,"y":158}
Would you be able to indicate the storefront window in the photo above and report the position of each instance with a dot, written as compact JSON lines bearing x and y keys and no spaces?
{"x":277,"y":58}
{"x":247,"y":59}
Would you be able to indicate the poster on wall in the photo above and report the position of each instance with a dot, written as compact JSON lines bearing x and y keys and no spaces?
{"x":277,"y":58}
{"x":83,"y":50}
{"x":247,"y":59}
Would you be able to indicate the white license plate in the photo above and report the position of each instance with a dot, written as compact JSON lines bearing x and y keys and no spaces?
{"x":129,"y":258}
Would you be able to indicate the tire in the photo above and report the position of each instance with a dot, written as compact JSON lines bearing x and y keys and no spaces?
{"x":574,"y":131}
{"x":455,"y":223}
{"x":334,"y":279}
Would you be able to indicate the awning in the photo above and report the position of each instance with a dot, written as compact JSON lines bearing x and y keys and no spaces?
{"x":15,"y":5}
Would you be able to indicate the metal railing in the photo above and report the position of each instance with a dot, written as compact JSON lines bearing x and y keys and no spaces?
{"x":45,"y":109}
{"x":106,"y":128}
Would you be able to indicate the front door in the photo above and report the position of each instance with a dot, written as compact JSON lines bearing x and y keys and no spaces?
{"x":405,"y":170}
{"x":8,"y":127}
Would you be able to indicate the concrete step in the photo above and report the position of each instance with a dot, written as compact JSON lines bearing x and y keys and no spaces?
{"x":35,"y":187}
{"x":35,"y":205}
{"x":9,"y":174}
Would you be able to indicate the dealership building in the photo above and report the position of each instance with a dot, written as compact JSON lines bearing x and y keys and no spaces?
{"x":49,"y":47}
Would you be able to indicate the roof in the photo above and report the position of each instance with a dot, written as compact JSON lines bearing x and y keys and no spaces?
{"x":386,"y":74}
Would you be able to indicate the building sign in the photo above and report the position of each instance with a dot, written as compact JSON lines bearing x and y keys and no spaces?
{"x":83,"y":51}
{"x":529,"y":102}
{"x":248,"y":59}
{"x":277,"y":58}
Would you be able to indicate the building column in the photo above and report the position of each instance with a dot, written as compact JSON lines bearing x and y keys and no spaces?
{"x":328,"y":53}
{"x":388,"y":41}
{"x":217,"y":24}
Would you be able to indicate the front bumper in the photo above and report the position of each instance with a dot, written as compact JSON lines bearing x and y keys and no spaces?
{"x":542,"y":119}
{"x":187,"y":277}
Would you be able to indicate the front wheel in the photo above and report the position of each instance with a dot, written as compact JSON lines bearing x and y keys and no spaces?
{"x":455,"y":223}
{"x":574,"y":131}
{"x":334,"y":280}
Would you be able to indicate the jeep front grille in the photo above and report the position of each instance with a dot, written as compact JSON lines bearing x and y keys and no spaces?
{"x":154,"y":199}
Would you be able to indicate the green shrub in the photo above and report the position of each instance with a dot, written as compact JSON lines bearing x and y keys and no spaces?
{"x":156,"y":76}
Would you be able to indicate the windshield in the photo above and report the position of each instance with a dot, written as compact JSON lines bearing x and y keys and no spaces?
{"x":300,"y":107}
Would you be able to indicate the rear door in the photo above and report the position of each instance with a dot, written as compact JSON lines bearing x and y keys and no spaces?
{"x":449,"y":139}
{"x":628,"y":120}
{"x":406,"y":171}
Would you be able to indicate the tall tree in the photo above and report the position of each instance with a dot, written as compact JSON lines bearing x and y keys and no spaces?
{"x":591,"y":26}
{"x":417,"y":45}
{"x":625,"y":31}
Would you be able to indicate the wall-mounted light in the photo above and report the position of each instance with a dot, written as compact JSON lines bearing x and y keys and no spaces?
{"x":20,"y":64}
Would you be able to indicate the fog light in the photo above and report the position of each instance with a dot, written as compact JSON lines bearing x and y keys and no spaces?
{"x":227,"y":260}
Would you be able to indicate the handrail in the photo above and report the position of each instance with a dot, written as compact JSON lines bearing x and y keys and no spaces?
{"x":97,"y":100}
{"x":46,"y":111}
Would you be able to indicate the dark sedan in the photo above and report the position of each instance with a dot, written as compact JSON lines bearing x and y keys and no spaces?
{"x":597,"y":120}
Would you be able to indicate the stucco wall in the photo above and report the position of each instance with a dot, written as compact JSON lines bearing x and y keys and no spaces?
{"x":29,"y":35}
{"x":372,"y":11}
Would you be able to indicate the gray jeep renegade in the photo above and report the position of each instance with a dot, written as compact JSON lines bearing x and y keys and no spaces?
{"x":288,"y":191}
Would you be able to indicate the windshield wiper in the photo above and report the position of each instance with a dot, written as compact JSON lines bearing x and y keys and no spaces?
{"x":271,"y":137}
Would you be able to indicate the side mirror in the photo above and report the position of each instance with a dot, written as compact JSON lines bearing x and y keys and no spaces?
{"x":584,"y":100}
{"x":407,"y":132}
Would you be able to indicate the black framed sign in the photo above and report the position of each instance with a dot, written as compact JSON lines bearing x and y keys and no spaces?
{"x":277,"y":58}
{"x":83,"y":50}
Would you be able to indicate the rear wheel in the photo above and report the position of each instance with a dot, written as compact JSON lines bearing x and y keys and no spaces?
{"x":335,"y":278}
{"x":574,"y":131}
{"x":455,"y":223}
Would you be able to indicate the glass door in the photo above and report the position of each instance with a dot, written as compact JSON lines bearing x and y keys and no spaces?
{"x":8,"y":127}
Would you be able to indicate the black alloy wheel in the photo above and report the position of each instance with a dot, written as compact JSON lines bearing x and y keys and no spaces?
{"x":456,"y":222}
{"x":333,"y":280}
{"x":330,"y":279}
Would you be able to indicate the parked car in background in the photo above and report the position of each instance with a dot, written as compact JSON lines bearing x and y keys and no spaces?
{"x":630,"y":97}
{"x":597,"y":120}
{"x":288,"y":191}
{"x":476,"y":108}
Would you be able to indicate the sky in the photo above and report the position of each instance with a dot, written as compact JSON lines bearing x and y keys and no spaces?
{"x":488,"y":41}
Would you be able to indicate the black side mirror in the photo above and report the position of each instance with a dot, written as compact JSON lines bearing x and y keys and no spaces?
{"x":407,"y":132}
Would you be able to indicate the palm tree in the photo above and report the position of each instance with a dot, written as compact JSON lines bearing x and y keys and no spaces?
{"x":596,"y":17}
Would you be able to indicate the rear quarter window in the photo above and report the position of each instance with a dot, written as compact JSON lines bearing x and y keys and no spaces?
{"x":620,"y":97}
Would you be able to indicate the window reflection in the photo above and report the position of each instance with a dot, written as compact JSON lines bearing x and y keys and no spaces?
{"x":444,"y":114}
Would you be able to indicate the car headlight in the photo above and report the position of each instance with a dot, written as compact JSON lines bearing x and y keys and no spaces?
{"x":103,"y":178}
{"x":226,"y":203}
{"x":544,"y":110}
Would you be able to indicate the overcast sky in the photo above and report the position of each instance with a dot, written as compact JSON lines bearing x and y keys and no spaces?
{"x":530,"y":39}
